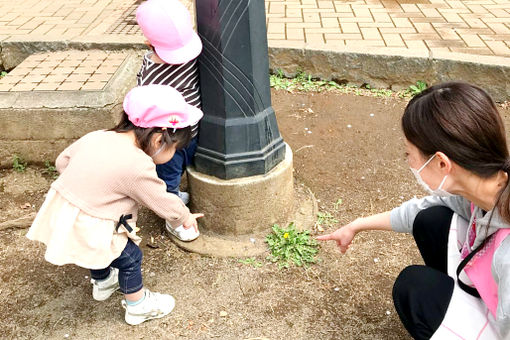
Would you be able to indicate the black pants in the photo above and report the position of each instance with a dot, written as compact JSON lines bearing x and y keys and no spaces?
{"x":421,"y":294}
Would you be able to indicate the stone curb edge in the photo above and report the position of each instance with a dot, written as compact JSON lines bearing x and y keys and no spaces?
{"x":383,"y":68}
{"x":378,"y":67}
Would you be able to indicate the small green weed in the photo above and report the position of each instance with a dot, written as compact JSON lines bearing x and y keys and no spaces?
{"x":3,"y":74}
{"x":279,"y":82}
{"x":379,"y":92}
{"x":50,"y":170}
{"x":416,"y":89}
{"x":287,"y":245}
{"x":18,"y":163}
{"x":251,"y":261}
{"x":338,"y":203}
{"x":325,"y":219}
{"x":301,"y":82}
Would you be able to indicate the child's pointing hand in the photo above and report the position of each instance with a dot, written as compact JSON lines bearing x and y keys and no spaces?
{"x":191,"y":222}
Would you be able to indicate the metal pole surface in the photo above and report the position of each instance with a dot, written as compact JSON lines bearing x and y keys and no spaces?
{"x":239,"y":134}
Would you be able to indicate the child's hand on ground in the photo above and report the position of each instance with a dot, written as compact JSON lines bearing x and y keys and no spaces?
{"x":191,"y":222}
{"x":343,"y":237}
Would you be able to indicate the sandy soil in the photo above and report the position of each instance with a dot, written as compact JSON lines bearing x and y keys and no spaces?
{"x":345,"y":147}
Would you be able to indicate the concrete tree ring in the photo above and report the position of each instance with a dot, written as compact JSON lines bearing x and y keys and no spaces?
{"x":239,"y":212}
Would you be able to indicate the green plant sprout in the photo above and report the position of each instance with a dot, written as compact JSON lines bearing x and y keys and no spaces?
{"x":418,"y":88}
{"x":288,"y":245}
{"x":50,"y":170}
{"x":18,"y":163}
{"x":251,"y":261}
{"x":325,"y":218}
{"x":337,"y":203}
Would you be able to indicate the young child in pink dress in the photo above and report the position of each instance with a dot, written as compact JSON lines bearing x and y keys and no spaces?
{"x":90,"y":212}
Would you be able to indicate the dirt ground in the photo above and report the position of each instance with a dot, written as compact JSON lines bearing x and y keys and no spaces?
{"x":345,"y":147}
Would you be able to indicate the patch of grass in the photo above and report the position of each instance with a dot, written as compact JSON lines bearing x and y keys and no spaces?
{"x":379,"y":92}
{"x":301,"y":82}
{"x":306,"y":83}
{"x":288,"y":245}
{"x":251,"y":261}
{"x":50,"y":170}
{"x":278,"y":81}
{"x":18,"y":163}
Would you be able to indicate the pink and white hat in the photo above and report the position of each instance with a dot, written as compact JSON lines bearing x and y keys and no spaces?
{"x":167,"y":25}
{"x":159,"y":106}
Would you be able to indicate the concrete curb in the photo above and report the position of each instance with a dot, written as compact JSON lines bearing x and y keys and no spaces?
{"x":39,"y":125}
{"x":380,"y":67}
{"x":383,"y":68}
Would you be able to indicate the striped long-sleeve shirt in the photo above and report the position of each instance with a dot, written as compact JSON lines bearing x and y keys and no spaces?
{"x":183,"y":77}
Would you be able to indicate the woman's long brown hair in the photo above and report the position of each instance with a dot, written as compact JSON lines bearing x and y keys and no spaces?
{"x":462,"y":121}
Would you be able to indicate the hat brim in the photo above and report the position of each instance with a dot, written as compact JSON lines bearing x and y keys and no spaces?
{"x":194,"y":116}
{"x":182,"y":55}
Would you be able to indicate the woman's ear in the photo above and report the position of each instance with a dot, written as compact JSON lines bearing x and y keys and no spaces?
{"x":445,"y":164}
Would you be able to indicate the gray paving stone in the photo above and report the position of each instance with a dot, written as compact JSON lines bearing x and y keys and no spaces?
{"x":38,"y":124}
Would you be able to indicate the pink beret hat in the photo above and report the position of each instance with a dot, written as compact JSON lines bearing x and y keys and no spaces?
{"x":159,"y":106}
{"x":167,"y":25}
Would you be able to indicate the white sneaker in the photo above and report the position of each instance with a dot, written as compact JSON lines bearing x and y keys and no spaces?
{"x":182,"y":234}
{"x":184,"y":196}
{"x":154,"y":306}
{"x":103,"y":289}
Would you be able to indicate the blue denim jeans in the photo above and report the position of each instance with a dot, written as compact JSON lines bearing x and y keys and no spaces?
{"x":171,"y":172}
{"x":129,"y":264}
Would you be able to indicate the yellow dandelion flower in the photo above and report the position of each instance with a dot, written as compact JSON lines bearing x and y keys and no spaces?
{"x":286,"y":235}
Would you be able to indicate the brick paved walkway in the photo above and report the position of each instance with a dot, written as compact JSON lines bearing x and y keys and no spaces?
{"x":63,"y":71}
{"x":479,"y":27}
{"x":462,"y":26}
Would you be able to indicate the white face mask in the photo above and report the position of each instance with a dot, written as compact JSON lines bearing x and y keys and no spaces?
{"x":439,"y":191}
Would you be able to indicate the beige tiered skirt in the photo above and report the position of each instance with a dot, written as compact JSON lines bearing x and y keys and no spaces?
{"x":73,"y":237}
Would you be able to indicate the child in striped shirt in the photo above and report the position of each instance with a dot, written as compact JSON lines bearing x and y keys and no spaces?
{"x":172,"y":61}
